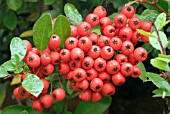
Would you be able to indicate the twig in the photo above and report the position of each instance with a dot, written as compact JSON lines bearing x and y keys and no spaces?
{"x":159,"y":40}
{"x":9,"y":76}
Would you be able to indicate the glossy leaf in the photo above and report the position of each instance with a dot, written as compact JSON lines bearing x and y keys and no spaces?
{"x":27,"y":33}
{"x":72,"y":13}
{"x":160,"y":20}
{"x":3,"y":72}
{"x":149,"y":15}
{"x":18,"y":48}
{"x":164,"y":56}
{"x":58,"y":106}
{"x":2,"y":93}
{"x":162,"y":65}
{"x":33,"y":84}
{"x":148,"y":47}
{"x":10,"y":20}
{"x":14,"y":4}
{"x":48,"y":2}
{"x":154,"y":41}
{"x":94,"y":108}
{"x":42,"y":32}
{"x":143,"y":76}
{"x":160,"y":93}
{"x":146,"y":33}
{"x":16,"y":109}
{"x":159,"y":81}
{"x":8,"y":66}
{"x":62,"y":29}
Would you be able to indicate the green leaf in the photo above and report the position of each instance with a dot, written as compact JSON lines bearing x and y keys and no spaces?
{"x":14,"y":4}
{"x":146,"y":33}
{"x":159,"y":81}
{"x":118,"y":3}
{"x":3,"y":72}
{"x":67,"y":112}
{"x":68,"y":89}
{"x":130,"y":3}
{"x":18,"y":48}
{"x":8,"y":66}
{"x":16,"y":109}
{"x":96,"y":30}
{"x":113,"y":15}
{"x":62,"y":29}
{"x":162,"y":65}
{"x":160,"y":93}
{"x":58,"y":106}
{"x":149,"y":15}
{"x":148,"y":47}
{"x":164,"y":56}
{"x":2,"y":93}
{"x":160,"y":20}
{"x":94,"y":108}
{"x":48,"y":2}
{"x":167,"y":22}
{"x":33,"y":84}
{"x":72,"y":13}
{"x":96,"y":2}
{"x":23,"y":112}
{"x":42,"y":32}
{"x":10,"y":20}
{"x":53,"y":13}
{"x":154,"y":41}
{"x":27,"y":33}
{"x":143,"y":76}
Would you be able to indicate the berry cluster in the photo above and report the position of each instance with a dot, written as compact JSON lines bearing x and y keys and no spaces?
{"x":96,"y":64}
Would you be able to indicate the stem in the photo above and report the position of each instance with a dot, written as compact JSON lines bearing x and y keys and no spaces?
{"x":59,"y":80}
{"x":159,"y":40}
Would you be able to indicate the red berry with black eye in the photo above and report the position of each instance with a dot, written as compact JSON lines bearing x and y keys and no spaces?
{"x":103,"y":41}
{"x":84,"y":43}
{"x":96,"y":96}
{"x":74,"y":64}
{"x":92,"y":19}
{"x":108,"y":89}
{"x":120,"y":20}
{"x":109,"y":31}
{"x":146,"y":26}
{"x":55,"y":58}
{"x":91,"y":74}
{"x":54,"y":42}
{"x":134,"y":23}
{"x":84,"y":29}
{"x":94,"y":52}
{"x":28,"y":45}
{"x":17,"y":95}
{"x":63,"y":68}
{"x":47,"y":101}
{"x":127,"y":48}
{"x":100,"y":64}
{"x":94,"y":38}
{"x":71,"y":43}
{"x":140,"y":54}
{"x":45,"y":59}
{"x":87,"y":63}
{"x":136,"y":72}
{"x":46,"y":86}
{"x":47,"y":51}
{"x":85,"y":95}
{"x":105,"y":21}
{"x":129,"y":11}
{"x":145,"y":39}
{"x":115,"y":43}
{"x":77,"y":54}
{"x":79,"y":74}
{"x":118,"y":79}
{"x":35,"y":50}
{"x":65,"y":55}
{"x":48,"y":69}
{"x":125,"y":33}
{"x":107,"y":52}
{"x":136,"y":37}
{"x":112,"y":67}
{"x":32,"y":60}
{"x":104,"y":76}
{"x":96,"y":84}
{"x":83,"y":85}
{"x":127,"y":69}
{"x":69,"y":75}
{"x":131,"y":59}
{"x":100,"y":11}
{"x":59,"y":94}
{"x":23,"y":92}
{"x":36,"y":105}
{"x":74,"y":32}
{"x":74,"y":86}
{"x":121,"y":58}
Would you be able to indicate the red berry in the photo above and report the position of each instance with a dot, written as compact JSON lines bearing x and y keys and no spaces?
{"x":125,"y":33}
{"x":145,"y":39}
{"x":121,"y":58}
{"x":65,"y":55}
{"x":107,"y":52}
{"x":59,"y":94}
{"x":32,"y":60}
{"x":35,"y":50}
{"x":108,"y":89}
{"x":48,"y":69}
{"x":120,"y":20}
{"x":45,"y":59}
{"x":71,"y":43}
{"x":112,"y":67}
{"x":96,"y":96}
{"x":94,"y":38}
{"x":91,"y":74}
{"x":84,"y":29}
{"x":140,"y":54}
{"x":136,"y":37}
{"x":103,"y":41}
{"x":92,"y":19}
{"x":127,"y":69}
{"x":28,"y":45}
{"x":105,"y":21}
{"x":79,"y":74}
{"x":100,"y":64}
{"x":46,"y":86}
{"x":55,"y":58}
{"x":100,"y":11}
{"x":115,"y":43}
{"x":131,"y":59}
{"x":134,"y":23}
{"x":104,"y":76}
{"x":83,"y":85}
{"x":74,"y":64}
{"x":146,"y":26}
{"x":36,"y":105}
{"x":47,"y":101}
{"x":96,"y":84}
{"x":54,"y":42}
{"x":87,"y":63}
{"x":63,"y":68}
{"x":77,"y":54}
{"x":94,"y":52}
{"x":118,"y":79}
{"x":74,"y":32}
{"x":17,"y":95}
{"x":84,"y":43}
{"x":129,"y":11}
{"x":109,"y":31}
{"x":136,"y":72}
{"x":86,"y":95}
{"x":127,"y":48}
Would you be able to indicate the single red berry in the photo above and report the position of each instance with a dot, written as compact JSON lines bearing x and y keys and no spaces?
{"x":79,"y":74}
{"x":84,"y":43}
{"x":65,"y":55}
{"x":115,"y":43}
{"x":28,"y":45}
{"x":118,"y":79}
{"x":96,"y":84}
{"x":47,"y":101}
{"x":131,"y":59}
{"x":23,"y":76}
{"x":94,"y":52}
{"x":83,"y":85}
{"x":23,"y":92}
{"x":55,"y":58}
{"x":107,"y":52}
{"x":45,"y":59}
{"x":85,"y":95}
{"x":100,"y":64}
{"x":92,"y":19}
{"x":94,"y":38}
{"x":91,"y":74}
{"x":96,"y":96}
{"x":104,"y":76}
{"x":17,"y":95}
{"x":59,"y":94}
{"x":146,"y":26}
{"x":63,"y":68}
{"x":145,"y":39}
{"x":140,"y":54}
{"x":47,"y":51}
{"x":134,"y":23}
{"x":74,"y":32}
{"x":32,"y":60}
{"x":74,"y":86}
{"x":127,"y":48}
{"x":87,"y":63}
{"x":112,"y":67}
{"x":105,"y":21}
{"x":120,"y":20}
{"x":128,"y":10}
{"x":127,"y":69}
{"x":136,"y":37}
{"x":48,"y":69}
{"x":136,"y":72}
{"x":108,"y":89}
{"x":77,"y":54}
{"x":100,"y":11}
{"x":84,"y":29}
{"x":69,"y":75}
{"x":103,"y":41}
{"x":36,"y":105}
{"x":74,"y":64}
{"x":35,"y":50}
{"x":46,"y":86}
{"x":121,"y":58}
{"x":71,"y":43}
{"x":54,"y":42}
{"x":109,"y":31}
{"x":125,"y":33}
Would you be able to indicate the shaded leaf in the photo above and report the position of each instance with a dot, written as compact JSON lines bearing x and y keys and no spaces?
{"x":3,"y":72}
{"x":58,"y":106}
{"x":33,"y":84}
{"x":68,"y":88}
{"x":94,"y":108}
{"x":72,"y":13}
{"x":33,"y":16}
{"x":160,"y":20}
{"x":148,"y":47}
{"x":149,"y":15}
{"x":42,"y":32}
{"x":27,"y":33}
{"x":14,"y":4}
{"x":48,"y":2}
{"x":143,"y":76}
{"x":62,"y":29}
{"x":2,"y":93}
{"x":96,"y":2}
{"x":23,"y":112}
{"x":67,"y":112}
